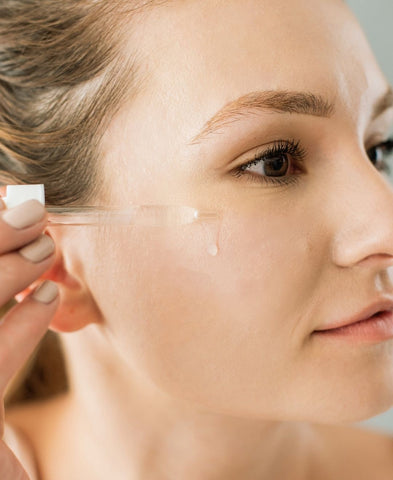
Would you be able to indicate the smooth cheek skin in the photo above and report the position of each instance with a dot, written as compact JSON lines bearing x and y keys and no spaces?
{"x":233,"y":333}
{"x":210,"y":329}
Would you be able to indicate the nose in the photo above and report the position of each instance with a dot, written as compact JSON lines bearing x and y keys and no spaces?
{"x":364,"y":215}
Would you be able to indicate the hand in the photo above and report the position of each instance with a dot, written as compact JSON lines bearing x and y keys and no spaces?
{"x":25,"y":254}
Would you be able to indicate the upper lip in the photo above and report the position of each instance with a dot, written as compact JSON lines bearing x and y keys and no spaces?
{"x":367,"y":312}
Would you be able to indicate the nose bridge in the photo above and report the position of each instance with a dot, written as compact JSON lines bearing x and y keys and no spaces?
{"x":363,"y":212}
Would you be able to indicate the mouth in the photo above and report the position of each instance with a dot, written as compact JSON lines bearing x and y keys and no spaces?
{"x":373,"y":310}
{"x":372,"y":324}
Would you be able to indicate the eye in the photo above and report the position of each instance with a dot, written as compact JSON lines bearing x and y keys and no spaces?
{"x":275,"y":164}
{"x":381,"y":156}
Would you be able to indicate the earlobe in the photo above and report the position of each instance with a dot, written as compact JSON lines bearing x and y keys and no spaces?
{"x":77,"y":307}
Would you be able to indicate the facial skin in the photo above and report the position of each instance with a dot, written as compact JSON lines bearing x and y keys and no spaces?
{"x":233,"y":334}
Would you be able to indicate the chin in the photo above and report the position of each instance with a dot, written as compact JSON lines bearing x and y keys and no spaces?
{"x":345,"y":406}
{"x":358,"y":411}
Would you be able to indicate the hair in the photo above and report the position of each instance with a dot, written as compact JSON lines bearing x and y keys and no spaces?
{"x":63,"y":75}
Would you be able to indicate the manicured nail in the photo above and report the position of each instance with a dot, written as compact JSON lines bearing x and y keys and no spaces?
{"x":24,"y":215}
{"x":46,"y":292}
{"x":39,"y":249}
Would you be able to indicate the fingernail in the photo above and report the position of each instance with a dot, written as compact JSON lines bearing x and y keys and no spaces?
{"x":39,"y":249}
{"x":46,"y":292}
{"x":24,"y":215}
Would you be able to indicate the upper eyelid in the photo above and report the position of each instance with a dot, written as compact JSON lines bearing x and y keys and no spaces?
{"x":381,"y":133}
{"x":382,"y":130}
{"x":376,"y":142}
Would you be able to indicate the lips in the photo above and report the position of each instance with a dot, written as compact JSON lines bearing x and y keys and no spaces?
{"x":366,"y":313}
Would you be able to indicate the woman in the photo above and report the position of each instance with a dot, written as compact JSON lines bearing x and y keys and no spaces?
{"x":209,"y":350}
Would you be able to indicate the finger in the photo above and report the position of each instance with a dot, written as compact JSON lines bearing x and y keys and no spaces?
{"x":23,"y":327}
{"x":21,"y":224}
{"x":19,"y":269}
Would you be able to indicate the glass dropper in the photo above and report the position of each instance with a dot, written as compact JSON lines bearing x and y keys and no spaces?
{"x":147,"y":215}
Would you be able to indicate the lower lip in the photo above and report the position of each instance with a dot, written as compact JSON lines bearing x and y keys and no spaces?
{"x":373,"y":330}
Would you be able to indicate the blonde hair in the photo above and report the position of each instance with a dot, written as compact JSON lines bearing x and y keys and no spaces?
{"x":63,"y":76}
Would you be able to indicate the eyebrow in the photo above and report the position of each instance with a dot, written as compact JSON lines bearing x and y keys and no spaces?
{"x":384,"y":103}
{"x":278,"y":101}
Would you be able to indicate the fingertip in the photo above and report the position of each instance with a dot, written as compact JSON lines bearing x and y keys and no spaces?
{"x":46,"y":293}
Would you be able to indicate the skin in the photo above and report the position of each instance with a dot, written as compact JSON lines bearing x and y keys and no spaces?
{"x":207,"y":366}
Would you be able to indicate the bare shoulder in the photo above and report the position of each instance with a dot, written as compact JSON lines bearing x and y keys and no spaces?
{"x":355,"y":452}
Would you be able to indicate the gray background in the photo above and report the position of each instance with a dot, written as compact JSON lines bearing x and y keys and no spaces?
{"x":376,"y":17}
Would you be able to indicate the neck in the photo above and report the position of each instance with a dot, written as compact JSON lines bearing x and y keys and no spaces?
{"x":137,"y":429}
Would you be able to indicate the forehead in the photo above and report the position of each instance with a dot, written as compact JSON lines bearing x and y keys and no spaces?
{"x":205,"y":54}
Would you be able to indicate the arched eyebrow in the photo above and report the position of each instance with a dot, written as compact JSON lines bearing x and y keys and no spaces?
{"x":278,"y":101}
{"x":384,"y":103}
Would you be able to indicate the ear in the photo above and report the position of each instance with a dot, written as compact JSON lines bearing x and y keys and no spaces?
{"x":77,"y":307}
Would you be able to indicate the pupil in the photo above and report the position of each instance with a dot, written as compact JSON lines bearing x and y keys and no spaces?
{"x":277,"y":166}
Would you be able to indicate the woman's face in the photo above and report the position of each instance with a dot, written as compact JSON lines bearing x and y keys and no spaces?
{"x":306,"y":236}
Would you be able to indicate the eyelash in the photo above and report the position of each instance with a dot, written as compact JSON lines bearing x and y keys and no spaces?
{"x":297,"y":154}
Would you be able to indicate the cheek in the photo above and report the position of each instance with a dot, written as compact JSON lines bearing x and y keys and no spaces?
{"x":197,"y":325}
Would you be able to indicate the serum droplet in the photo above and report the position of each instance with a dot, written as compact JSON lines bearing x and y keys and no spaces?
{"x":212,"y":250}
